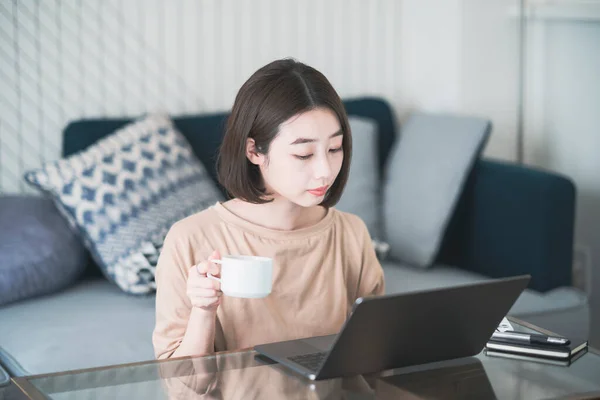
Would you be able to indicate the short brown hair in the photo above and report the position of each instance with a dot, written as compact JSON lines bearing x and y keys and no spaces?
{"x":272,"y":95}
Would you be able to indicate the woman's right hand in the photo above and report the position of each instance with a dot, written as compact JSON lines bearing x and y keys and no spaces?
{"x":204,"y":292}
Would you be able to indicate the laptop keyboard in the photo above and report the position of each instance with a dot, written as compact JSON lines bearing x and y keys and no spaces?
{"x":311,"y":361}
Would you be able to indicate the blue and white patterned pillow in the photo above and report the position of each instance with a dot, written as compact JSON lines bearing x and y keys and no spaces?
{"x":123,"y":193}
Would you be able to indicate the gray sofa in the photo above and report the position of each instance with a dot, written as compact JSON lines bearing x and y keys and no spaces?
{"x":508,"y":220}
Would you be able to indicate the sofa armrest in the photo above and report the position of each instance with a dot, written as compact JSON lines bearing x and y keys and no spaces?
{"x":513,"y":220}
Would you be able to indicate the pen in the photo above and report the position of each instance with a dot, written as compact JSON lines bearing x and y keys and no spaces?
{"x":532,"y":338}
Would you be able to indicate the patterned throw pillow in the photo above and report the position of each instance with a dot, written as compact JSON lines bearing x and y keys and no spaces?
{"x":123,"y":193}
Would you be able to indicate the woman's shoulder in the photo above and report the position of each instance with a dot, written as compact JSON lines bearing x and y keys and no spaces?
{"x":350,"y":223}
{"x":349,"y":219}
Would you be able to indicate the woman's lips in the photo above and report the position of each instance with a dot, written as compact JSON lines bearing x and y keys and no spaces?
{"x":319,"y":191}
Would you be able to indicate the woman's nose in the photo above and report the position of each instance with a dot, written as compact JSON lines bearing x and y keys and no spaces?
{"x":323,"y":168}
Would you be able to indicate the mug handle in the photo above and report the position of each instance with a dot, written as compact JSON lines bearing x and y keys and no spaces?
{"x":208,"y":274}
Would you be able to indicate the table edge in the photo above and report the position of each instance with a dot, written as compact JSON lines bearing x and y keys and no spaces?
{"x":132,"y":364}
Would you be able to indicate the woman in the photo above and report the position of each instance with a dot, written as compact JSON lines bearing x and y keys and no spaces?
{"x":284,"y":160}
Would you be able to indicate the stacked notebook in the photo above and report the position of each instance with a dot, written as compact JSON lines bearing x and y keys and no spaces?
{"x":539,"y":348}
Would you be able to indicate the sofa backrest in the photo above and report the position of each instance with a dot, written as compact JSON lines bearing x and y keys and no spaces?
{"x":205,"y":131}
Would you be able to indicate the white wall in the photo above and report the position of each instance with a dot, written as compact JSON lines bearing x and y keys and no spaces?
{"x":489,"y":69}
{"x":429,"y":44}
{"x":65,"y":60}
{"x":461,"y":56}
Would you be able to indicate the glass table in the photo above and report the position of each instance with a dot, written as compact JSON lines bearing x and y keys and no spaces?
{"x":247,"y":375}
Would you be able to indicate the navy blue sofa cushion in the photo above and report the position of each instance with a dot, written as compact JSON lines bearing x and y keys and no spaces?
{"x":205,"y":132}
{"x":514,"y":220}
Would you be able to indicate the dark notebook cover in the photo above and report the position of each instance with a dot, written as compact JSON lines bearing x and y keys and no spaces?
{"x":536,"y":350}
{"x":543,"y":360}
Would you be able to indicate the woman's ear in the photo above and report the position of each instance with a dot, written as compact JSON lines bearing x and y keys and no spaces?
{"x":252,"y":153}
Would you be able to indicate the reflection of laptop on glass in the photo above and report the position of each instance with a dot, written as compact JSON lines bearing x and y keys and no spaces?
{"x":392,"y":331}
{"x":464,"y":378}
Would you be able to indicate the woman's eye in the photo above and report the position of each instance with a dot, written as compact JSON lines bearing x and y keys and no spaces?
{"x":306,"y":157}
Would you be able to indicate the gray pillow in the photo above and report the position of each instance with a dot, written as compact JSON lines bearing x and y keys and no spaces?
{"x":39,"y":253}
{"x":362,"y":195}
{"x":425,"y":175}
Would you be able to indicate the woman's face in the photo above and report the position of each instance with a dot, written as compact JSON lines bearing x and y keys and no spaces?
{"x":304,"y":158}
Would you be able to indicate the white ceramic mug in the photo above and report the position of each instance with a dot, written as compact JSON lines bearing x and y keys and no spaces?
{"x":245,"y":276}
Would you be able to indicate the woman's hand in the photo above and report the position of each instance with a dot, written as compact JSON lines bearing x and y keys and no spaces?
{"x":204,"y":292}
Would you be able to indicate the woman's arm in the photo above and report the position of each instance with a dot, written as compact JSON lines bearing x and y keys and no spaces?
{"x":199,"y":338}
{"x":371,"y":279}
{"x":181,"y":329}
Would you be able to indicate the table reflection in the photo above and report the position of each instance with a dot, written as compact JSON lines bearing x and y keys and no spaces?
{"x":251,"y":376}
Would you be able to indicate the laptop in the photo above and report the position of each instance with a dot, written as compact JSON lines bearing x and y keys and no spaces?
{"x":400,"y":330}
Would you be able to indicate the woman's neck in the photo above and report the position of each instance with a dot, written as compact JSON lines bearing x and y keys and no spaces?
{"x":280,"y":214}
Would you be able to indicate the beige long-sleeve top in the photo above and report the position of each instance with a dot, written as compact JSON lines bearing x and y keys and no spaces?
{"x":318,"y":273}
